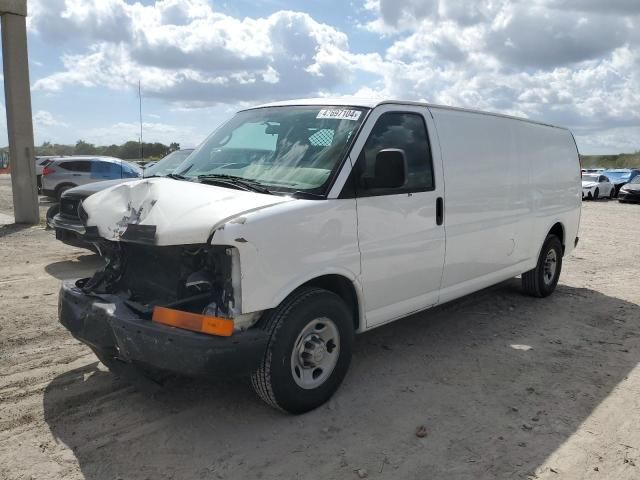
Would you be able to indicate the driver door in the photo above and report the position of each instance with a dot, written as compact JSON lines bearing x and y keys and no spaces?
{"x":400,"y":230}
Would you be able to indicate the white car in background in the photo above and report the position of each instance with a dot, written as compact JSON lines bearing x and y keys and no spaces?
{"x":596,"y":186}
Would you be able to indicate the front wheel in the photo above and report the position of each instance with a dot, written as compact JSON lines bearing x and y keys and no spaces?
{"x":612,"y":194}
{"x":309,"y":350}
{"x":542,"y":280}
{"x":595,"y":194}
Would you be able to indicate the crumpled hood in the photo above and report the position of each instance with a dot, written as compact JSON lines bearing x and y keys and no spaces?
{"x":84,"y":191}
{"x":169,"y":212}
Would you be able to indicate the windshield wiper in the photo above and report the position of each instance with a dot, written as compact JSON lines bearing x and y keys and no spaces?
{"x":174,"y":176}
{"x":246,"y":183}
{"x":308,"y":195}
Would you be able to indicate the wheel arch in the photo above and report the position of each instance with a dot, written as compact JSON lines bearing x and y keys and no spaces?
{"x":559,"y":231}
{"x":60,"y":186}
{"x":343,"y":286}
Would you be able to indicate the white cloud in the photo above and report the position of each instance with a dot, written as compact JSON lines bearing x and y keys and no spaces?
{"x":571,"y":62}
{"x":609,"y":141}
{"x":560,"y":61}
{"x":121,"y":132}
{"x":42,"y":118}
{"x":185,"y":52}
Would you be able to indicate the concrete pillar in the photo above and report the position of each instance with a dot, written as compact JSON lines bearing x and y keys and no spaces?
{"x":18,"y":103}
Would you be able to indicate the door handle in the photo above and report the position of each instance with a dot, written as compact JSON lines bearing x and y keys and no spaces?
{"x":439,"y":211}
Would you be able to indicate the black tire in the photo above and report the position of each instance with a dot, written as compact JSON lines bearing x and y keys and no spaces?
{"x":596,"y":192}
{"x":60,"y":189}
{"x":535,"y":282}
{"x":274,"y":380}
{"x":612,"y":194}
{"x":52,"y":211}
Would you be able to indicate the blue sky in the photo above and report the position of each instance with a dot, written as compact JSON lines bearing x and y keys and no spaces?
{"x":571,"y":62}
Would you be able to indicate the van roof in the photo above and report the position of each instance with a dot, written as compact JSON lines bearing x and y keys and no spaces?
{"x":374,"y":102}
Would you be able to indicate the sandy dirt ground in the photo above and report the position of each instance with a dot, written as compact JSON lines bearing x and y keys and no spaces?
{"x":567,"y":408}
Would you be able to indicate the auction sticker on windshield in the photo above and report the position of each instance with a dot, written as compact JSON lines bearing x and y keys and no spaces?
{"x":339,"y":114}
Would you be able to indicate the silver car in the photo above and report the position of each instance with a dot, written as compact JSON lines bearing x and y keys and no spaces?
{"x":64,"y":217}
{"x":68,"y":172}
{"x":41,"y":162}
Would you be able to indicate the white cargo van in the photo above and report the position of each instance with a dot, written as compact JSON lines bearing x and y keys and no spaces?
{"x":296,"y":225}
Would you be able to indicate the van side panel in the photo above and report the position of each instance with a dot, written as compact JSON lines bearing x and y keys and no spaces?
{"x":488,"y":195}
{"x":507,"y":182}
{"x":554,"y":167}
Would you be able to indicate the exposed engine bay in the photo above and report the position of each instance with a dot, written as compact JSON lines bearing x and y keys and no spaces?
{"x":201,"y":279}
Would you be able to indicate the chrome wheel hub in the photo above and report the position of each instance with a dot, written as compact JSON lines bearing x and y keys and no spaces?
{"x":550,"y":266}
{"x":315,"y":353}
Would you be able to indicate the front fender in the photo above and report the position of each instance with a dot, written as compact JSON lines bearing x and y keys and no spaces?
{"x":285,"y":246}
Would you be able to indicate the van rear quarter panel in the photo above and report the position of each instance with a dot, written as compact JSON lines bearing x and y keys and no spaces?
{"x":552,"y":157}
{"x":507,"y":181}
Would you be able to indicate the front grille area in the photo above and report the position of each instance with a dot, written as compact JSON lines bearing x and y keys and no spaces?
{"x":152,"y":273}
{"x":69,"y":207}
{"x":155,"y":274}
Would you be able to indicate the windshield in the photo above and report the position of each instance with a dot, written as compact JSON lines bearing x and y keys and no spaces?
{"x":130,"y":168}
{"x":168,"y":164}
{"x":619,"y":175}
{"x":590,"y":178}
{"x":285,"y":149}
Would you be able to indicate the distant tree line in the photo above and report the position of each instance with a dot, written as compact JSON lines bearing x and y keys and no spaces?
{"x":128,"y":150}
{"x":622,"y":160}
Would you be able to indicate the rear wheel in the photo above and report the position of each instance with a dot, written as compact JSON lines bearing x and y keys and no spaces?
{"x":542,"y":280}
{"x":309,"y":350}
{"x":612,"y":193}
{"x":595,"y":194}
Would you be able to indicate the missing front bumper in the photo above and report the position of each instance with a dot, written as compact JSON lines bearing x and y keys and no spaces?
{"x":105,"y":323}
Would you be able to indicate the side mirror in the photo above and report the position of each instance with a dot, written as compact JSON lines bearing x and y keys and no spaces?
{"x":390,"y":170}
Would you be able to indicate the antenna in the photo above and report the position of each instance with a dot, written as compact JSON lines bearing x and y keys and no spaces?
{"x":140,"y":104}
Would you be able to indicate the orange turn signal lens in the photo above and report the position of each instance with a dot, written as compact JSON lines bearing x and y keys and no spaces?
{"x":193,"y":321}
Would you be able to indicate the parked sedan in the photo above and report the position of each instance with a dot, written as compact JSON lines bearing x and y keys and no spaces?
{"x":631,"y":191}
{"x":65,"y":217}
{"x":621,"y":176}
{"x":595,"y":186}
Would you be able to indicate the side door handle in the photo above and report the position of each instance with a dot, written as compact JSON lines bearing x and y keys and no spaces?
{"x":439,"y":211}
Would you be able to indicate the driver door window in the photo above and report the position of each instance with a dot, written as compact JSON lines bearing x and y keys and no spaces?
{"x":398,"y":130}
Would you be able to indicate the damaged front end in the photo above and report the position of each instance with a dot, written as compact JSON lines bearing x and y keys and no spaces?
{"x":166,"y":297}
{"x":201,"y":279}
{"x":113,"y":311}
